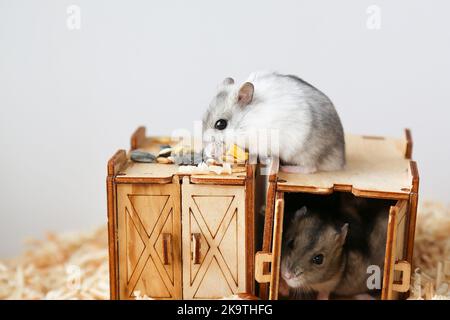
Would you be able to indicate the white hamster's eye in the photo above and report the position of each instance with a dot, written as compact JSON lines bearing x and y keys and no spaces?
{"x":221,"y":124}
{"x":318,"y":259}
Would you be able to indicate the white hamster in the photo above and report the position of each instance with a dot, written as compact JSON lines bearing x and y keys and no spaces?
{"x":310,"y":133}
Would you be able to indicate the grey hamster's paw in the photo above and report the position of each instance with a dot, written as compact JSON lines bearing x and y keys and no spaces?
{"x":283,"y":289}
{"x":323,"y":295}
{"x":299,"y":169}
{"x":363,"y":296}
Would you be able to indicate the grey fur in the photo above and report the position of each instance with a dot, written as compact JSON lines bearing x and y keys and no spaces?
{"x":344,"y":269}
{"x":325,"y":143}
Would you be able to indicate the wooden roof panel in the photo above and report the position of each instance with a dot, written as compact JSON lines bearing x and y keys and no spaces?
{"x":374,"y":165}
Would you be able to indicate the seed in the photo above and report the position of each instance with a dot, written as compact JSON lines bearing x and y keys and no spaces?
{"x":142,"y":156}
{"x":165,"y":152}
{"x":163,"y":160}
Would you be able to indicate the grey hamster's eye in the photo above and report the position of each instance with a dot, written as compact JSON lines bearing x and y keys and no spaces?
{"x":290,"y":244}
{"x":318,"y":259}
{"x":221,"y":124}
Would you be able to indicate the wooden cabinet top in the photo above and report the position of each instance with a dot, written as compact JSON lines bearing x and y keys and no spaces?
{"x":128,"y":171}
{"x":376,"y":167}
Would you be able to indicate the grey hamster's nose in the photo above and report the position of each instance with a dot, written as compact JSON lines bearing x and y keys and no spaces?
{"x":288,"y":275}
{"x":297,"y":271}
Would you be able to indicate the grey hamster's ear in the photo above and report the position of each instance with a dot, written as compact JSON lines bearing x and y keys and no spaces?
{"x":342,"y":235}
{"x":245,"y":95}
{"x":300,"y":213}
{"x":228,"y":81}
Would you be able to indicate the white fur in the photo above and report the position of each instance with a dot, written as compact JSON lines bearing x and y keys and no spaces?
{"x":280,"y":104}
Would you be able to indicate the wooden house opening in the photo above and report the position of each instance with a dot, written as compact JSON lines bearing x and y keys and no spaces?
{"x":354,"y":208}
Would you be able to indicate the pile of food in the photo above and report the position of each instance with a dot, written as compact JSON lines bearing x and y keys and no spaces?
{"x":217,"y":158}
{"x":75,"y":266}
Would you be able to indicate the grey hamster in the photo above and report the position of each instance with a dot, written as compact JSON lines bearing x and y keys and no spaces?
{"x":328,"y":253}
{"x":310,"y":133}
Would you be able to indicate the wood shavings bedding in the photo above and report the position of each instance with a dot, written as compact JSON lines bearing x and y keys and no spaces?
{"x":432,"y":242}
{"x":62,"y":266}
{"x":431,"y":249}
{"x":75,"y":265}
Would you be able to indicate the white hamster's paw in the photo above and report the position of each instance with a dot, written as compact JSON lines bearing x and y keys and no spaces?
{"x":299,"y":169}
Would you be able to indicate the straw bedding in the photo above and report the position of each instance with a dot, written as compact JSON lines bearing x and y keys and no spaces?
{"x":75,"y":265}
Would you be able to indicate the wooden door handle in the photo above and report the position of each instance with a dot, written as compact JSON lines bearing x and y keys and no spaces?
{"x":167,"y":245}
{"x":196,"y":237}
{"x":405,"y":268}
{"x":262,"y":258}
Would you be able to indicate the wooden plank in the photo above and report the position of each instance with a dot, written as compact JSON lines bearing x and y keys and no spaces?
{"x":389,"y":256}
{"x":375,"y":168}
{"x":117,"y":162}
{"x":112,"y":238}
{"x":138,"y":138}
{"x":250,"y":230}
{"x":268,"y":229}
{"x":163,"y":173}
{"x":135,"y":172}
{"x":143,"y":180}
{"x":341,"y":188}
{"x":409,"y":144}
{"x":234,"y":179}
{"x":412,"y":217}
{"x":276,"y":249}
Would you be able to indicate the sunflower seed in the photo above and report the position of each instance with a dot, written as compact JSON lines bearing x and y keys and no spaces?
{"x":165,"y":152}
{"x":142,"y":156}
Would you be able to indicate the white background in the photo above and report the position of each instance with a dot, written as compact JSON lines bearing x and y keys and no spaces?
{"x":70,"y":98}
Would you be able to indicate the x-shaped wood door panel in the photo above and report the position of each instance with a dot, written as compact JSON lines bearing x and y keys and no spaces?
{"x":213,"y":241}
{"x":149,"y":241}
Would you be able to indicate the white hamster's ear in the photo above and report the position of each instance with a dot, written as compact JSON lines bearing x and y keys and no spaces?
{"x":245,"y":95}
{"x":227,"y":81}
{"x":342,"y":235}
{"x":300,"y":213}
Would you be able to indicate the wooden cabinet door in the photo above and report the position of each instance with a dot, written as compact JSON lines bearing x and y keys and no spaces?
{"x":149,"y":240}
{"x":397,"y":271}
{"x":214,"y":246}
{"x":272,"y":258}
